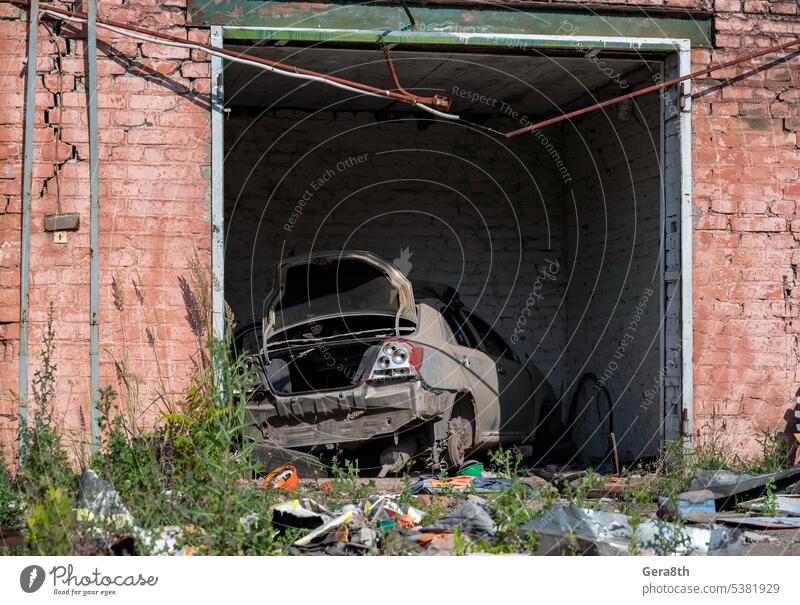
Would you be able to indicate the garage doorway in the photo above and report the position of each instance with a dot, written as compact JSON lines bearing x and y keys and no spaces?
{"x":567,"y":241}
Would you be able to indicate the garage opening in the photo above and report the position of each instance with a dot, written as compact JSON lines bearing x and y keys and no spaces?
{"x":556,"y":239}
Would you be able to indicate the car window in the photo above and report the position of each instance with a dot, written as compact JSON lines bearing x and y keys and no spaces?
{"x":490,"y":341}
{"x":457,"y":324}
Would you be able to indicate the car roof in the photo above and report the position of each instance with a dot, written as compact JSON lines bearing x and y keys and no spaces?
{"x":441,"y":292}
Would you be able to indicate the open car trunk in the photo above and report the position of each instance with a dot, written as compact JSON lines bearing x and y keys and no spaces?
{"x":318,"y":368}
{"x":325,"y":312}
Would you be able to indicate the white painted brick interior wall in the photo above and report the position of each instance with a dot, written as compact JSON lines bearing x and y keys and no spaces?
{"x":617,"y":205}
{"x":474,"y":214}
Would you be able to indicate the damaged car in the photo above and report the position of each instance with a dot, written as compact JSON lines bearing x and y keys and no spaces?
{"x":350,"y":353}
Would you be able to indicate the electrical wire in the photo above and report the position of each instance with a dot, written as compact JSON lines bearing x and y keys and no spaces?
{"x":267,"y":65}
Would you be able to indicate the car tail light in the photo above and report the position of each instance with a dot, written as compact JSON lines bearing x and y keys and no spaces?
{"x":397,"y":358}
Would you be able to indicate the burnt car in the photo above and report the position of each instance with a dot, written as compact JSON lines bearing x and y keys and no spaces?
{"x":350,"y":352}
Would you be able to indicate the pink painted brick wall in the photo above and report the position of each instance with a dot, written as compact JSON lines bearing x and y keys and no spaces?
{"x":154,"y":206}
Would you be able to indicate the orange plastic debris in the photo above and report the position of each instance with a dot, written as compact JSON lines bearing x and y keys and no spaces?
{"x":284,"y":477}
{"x":458,"y":482}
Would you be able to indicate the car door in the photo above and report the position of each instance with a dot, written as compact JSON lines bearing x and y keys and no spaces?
{"x":477,"y":371}
{"x":494,"y":363}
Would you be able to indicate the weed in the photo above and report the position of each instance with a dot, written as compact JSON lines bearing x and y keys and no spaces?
{"x":769,"y":505}
{"x":9,"y":498}
{"x":345,"y":480}
{"x":774,"y":448}
{"x":43,"y":461}
{"x":506,"y":463}
{"x":126,"y":460}
{"x":461,"y":546}
{"x":670,"y":536}
{"x":578,"y":491}
{"x":634,"y":519}
{"x":406,"y":498}
{"x":50,"y":522}
{"x":711,"y":451}
{"x":435,"y":510}
{"x":510,"y":509}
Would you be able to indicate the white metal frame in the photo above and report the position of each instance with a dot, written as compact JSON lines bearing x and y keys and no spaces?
{"x":679,"y":171}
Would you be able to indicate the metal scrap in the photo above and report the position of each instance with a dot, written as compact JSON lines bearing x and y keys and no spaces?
{"x":567,"y":529}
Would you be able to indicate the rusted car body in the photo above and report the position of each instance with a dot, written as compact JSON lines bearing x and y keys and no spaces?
{"x":351,"y":352}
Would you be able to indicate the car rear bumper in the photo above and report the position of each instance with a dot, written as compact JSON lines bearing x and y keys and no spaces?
{"x":346,"y":417}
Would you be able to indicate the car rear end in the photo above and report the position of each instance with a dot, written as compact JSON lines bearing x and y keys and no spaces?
{"x":341,"y":363}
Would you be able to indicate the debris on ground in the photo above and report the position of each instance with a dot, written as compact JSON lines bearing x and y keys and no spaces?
{"x":730,"y":488}
{"x":98,"y":500}
{"x":789,"y":505}
{"x":480,"y":511}
{"x":696,"y":505}
{"x":573,"y":530}
{"x":102,"y":508}
{"x":752,"y":537}
{"x":470,"y":518}
{"x":461,"y":483}
{"x":284,"y":477}
{"x":762,"y":522}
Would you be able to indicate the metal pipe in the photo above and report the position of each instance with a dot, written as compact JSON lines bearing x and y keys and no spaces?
{"x":25,"y":245}
{"x":94,"y":194}
{"x":217,"y":190}
{"x":653,"y":88}
{"x":686,"y":235}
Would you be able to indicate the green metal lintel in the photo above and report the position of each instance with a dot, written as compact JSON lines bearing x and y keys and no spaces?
{"x":439,"y":24}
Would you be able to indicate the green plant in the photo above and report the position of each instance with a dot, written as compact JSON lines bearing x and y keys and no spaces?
{"x":406,"y":498}
{"x":712,"y":450}
{"x":9,"y":498}
{"x":435,"y":510}
{"x":461,"y":545}
{"x":218,"y":494}
{"x":510,"y":509}
{"x":670,"y":536}
{"x":506,"y":463}
{"x":774,"y":454}
{"x":634,"y":519}
{"x":769,"y":504}
{"x":578,"y":491}
{"x":346,"y":480}
{"x":42,"y":459}
{"x":126,"y":458}
{"x":50,"y":522}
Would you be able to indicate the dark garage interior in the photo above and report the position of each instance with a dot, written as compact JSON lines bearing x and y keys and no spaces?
{"x":554,"y":238}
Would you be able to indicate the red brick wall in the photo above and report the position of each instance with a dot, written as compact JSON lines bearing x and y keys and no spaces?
{"x":746,"y":154}
{"x":154,"y":205}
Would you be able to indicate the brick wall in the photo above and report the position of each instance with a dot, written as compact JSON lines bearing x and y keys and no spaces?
{"x":474,"y":216}
{"x":154,"y":204}
{"x":746,"y":191}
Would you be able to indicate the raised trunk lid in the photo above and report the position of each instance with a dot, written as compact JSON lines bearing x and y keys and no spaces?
{"x":327,"y":285}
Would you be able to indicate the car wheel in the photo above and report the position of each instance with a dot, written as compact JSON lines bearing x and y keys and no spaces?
{"x":459,"y":440}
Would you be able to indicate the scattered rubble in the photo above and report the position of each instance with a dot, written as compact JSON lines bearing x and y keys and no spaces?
{"x":568,"y":513}
{"x":564,"y":530}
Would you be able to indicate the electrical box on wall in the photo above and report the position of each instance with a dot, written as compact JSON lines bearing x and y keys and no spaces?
{"x":60,"y":224}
